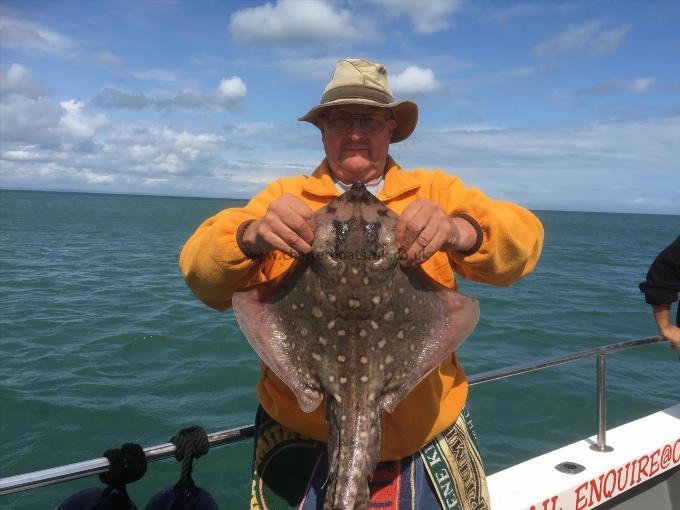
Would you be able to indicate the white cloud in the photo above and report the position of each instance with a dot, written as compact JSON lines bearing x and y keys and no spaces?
{"x":501,"y":12}
{"x":640,"y":85}
{"x":156,"y":75}
{"x":297,"y":22}
{"x":18,"y":80}
{"x":150,"y":151}
{"x":536,"y":167}
{"x":143,"y":152}
{"x":514,"y":72}
{"x":427,"y":17}
{"x":560,"y":167}
{"x":70,"y":150}
{"x":25,"y":154}
{"x":64,"y":146}
{"x":227,"y":96}
{"x":94,"y":178}
{"x":250,"y":128}
{"x":31,"y":124}
{"x":301,"y":68}
{"x":607,"y":41}
{"x":112,"y":97}
{"x":108,"y":59}
{"x":232,"y":88}
{"x":38,"y":123}
{"x":33,"y":38}
{"x":76,"y":123}
{"x":29,"y":120}
{"x":613,"y":145}
{"x":414,"y":80}
{"x":209,"y":61}
{"x":590,"y":37}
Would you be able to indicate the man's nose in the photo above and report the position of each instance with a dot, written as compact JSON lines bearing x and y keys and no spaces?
{"x":356,"y":136}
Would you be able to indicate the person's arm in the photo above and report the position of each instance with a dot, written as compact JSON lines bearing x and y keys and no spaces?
{"x":662,"y":316}
{"x":509,"y":237}
{"x":663,"y":278}
{"x":487,"y":240}
{"x":661,"y":289}
{"x":213,"y":262}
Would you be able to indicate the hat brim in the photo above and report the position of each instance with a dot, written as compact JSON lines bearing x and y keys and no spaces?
{"x":405,"y":112}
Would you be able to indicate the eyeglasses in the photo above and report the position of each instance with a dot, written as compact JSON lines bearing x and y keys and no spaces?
{"x":371,"y":125}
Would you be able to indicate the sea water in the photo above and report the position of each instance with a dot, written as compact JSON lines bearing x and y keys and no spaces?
{"x":103,"y":343}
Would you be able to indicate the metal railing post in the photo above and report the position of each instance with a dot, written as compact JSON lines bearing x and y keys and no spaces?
{"x":601,"y":445}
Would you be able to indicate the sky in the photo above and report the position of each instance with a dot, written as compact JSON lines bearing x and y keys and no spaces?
{"x":563,"y":105}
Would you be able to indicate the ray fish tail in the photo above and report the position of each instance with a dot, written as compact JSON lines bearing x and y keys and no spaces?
{"x":353,"y":450}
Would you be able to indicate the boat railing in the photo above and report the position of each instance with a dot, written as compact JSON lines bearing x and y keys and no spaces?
{"x":163,"y":451}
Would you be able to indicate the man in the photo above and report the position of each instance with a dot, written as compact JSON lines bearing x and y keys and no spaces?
{"x":661,"y":289}
{"x":444,"y":226}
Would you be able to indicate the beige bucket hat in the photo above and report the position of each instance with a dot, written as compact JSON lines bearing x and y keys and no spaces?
{"x":357,"y":81}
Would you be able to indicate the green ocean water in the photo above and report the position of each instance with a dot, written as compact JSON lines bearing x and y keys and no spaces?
{"x":102,"y":343}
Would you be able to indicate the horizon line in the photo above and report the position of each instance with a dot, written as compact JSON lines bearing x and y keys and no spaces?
{"x":151,"y":195}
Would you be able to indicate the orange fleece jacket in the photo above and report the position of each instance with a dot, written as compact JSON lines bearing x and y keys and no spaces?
{"x":214,"y":268}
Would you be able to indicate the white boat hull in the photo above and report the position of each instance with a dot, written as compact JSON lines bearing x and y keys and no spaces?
{"x":630,"y":477}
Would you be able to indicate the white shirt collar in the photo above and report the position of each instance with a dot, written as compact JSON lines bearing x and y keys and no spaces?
{"x":373,"y":187}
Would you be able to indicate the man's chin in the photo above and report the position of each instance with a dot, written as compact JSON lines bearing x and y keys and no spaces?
{"x":356,"y":162}
{"x":355,"y":169}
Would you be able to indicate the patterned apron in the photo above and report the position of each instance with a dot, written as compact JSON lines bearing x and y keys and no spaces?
{"x":290,"y":472}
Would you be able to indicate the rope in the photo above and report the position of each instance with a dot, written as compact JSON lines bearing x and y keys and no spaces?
{"x":126,"y":465}
{"x":191,"y":443}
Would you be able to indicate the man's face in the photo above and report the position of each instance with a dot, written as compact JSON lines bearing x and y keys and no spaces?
{"x":356,"y":152}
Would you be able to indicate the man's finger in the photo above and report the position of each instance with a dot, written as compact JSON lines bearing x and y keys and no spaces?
{"x":415,"y":227}
{"x":440,"y":238}
{"x":303,"y":220}
{"x":289,"y":236}
{"x":432,"y":238}
{"x":428,"y":233}
{"x":402,"y":224}
{"x":302,"y":209}
{"x":412,"y":255}
{"x":299,"y":226}
{"x":414,"y":251}
{"x":295,"y":217}
{"x":279,"y":244}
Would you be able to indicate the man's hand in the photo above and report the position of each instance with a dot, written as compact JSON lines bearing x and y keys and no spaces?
{"x":672,"y":333}
{"x":662,"y":316}
{"x":424,"y":228}
{"x":287,"y":226}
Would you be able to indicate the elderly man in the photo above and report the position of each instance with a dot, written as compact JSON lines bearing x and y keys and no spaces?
{"x":444,"y":226}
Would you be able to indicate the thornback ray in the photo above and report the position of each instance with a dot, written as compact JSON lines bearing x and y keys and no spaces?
{"x":349,"y":326}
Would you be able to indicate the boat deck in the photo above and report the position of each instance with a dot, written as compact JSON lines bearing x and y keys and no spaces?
{"x":642,"y":450}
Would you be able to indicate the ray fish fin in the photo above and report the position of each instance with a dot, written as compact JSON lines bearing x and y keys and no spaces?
{"x":257,"y":312}
{"x":450,"y":318}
